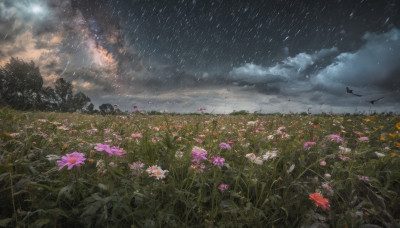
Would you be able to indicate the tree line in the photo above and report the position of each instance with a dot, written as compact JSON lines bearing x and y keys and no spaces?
{"x":21,"y":88}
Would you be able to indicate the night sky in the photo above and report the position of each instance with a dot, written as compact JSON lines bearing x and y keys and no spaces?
{"x":265,"y":56}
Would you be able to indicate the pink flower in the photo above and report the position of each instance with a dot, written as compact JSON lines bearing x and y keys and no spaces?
{"x":71,"y":160}
{"x":363,"y":177}
{"x":198,"y":154}
{"x":327,"y":187}
{"x":225,"y":146}
{"x":137,"y":136}
{"x":117,"y":151}
{"x":343,"y":158}
{"x":110,"y":150}
{"x":363,"y":139}
{"x":223,"y":187}
{"x":322,"y":163}
{"x":308,"y":144}
{"x":217,"y":161}
{"x":336,"y":138}
{"x":136,"y":165}
{"x":100,"y":147}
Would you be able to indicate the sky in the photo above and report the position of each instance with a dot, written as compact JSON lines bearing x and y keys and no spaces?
{"x":261,"y":56}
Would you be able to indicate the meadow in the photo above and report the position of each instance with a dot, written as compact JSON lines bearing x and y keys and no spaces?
{"x":137,"y":170}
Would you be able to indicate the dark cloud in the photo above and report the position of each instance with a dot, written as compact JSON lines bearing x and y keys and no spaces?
{"x":372,"y":68}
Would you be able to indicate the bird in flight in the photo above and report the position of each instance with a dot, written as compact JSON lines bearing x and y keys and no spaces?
{"x":348,"y":90}
{"x":373,"y":101}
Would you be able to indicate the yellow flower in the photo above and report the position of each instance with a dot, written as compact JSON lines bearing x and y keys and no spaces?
{"x":398,"y":125}
{"x":392,"y":135}
{"x":383,"y":139}
{"x":367,"y":120}
{"x":397,"y":144}
{"x":392,"y":154}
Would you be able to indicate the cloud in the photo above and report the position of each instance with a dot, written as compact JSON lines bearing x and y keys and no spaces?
{"x":373,"y":68}
{"x":289,"y":69}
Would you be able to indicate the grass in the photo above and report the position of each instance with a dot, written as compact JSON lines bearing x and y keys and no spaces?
{"x":361,"y":180}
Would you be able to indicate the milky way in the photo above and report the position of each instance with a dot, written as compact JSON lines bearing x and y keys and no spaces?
{"x":268,"y":56}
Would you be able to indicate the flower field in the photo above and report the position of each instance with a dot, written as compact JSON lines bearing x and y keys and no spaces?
{"x":77,"y":170}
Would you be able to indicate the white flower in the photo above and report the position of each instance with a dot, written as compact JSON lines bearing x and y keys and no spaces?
{"x":291,"y":168}
{"x":344,"y":150}
{"x":52,"y":157}
{"x":253,"y":158}
{"x":179,"y":154}
{"x":380,"y":155}
{"x":270,"y":155}
{"x":100,"y":164}
{"x":252,"y":123}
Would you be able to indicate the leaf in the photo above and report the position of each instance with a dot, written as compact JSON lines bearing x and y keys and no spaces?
{"x":66,"y":192}
{"x":225,"y":204}
{"x":4,"y":222}
{"x":41,"y":222}
{"x":103,"y":186}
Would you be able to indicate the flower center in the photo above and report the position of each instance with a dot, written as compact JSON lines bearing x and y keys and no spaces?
{"x":72,"y":160}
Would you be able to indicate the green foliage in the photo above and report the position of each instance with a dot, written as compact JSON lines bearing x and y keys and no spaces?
{"x":241,"y":112}
{"x":21,"y":87}
{"x":362,"y":187}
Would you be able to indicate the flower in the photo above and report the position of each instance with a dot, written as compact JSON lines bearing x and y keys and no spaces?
{"x":343,"y":158}
{"x":398,"y":125}
{"x":71,"y":160}
{"x":110,"y":150}
{"x":308,"y":144}
{"x":363,"y":139}
{"x":136,"y":166}
{"x":198,"y":154}
{"x":179,"y":154}
{"x":322,"y":163}
{"x":223,"y":187}
{"x":344,"y":150}
{"x":362,"y":177}
{"x":253,"y":158}
{"x":320,"y":201}
{"x":379,"y":155}
{"x":217,"y":161}
{"x":117,"y":151}
{"x":336,"y":138}
{"x":156,"y":171}
{"x":270,"y":155}
{"x":225,"y":146}
{"x":52,"y":157}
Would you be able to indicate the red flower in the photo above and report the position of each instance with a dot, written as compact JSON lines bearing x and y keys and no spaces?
{"x":320,"y":201}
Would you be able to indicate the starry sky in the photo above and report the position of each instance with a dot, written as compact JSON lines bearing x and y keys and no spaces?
{"x":265,"y":56}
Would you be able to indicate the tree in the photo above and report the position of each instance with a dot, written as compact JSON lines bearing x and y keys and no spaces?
{"x":63,"y":91}
{"x":49,"y":99}
{"x":90,"y":109}
{"x":106,"y":109}
{"x":80,"y":101}
{"x":21,"y":84}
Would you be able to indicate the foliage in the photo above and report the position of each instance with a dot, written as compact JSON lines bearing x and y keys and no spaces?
{"x":297,"y":155}
{"x":21,"y":87}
